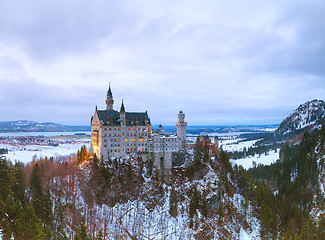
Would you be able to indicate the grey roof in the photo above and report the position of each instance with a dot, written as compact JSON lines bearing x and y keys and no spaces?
{"x":132,"y":118}
{"x":122,"y":107}
{"x":109,"y":92}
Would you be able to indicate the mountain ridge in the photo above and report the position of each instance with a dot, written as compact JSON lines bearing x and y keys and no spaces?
{"x":307,"y":117}
{"x":32,"y":126}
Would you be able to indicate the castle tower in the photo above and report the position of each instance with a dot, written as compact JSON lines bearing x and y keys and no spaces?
{"x":123,"y":128}
{"x":181,"y":129}
{"x":216,"y":146}
{"x":122,"y":114}
{"x":160,"y":129}
{"x":109,"y":99}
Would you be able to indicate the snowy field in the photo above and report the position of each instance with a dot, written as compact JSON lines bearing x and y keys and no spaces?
{"x":26,"y":154}
{"x":268,"y":159}
{"x":234,"y":145}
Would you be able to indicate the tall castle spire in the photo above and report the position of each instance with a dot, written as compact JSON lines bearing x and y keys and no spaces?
{"x":122,"y":115}
{"x":109,"y":92}
{"x":122,"y":107}
{"x":109,"y":99}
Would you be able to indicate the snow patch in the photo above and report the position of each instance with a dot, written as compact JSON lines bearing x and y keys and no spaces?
{"x":243,"y":235}
{"x":250,"y":161}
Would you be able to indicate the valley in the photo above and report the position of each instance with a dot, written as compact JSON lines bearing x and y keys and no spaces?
{"x":260,"y":184}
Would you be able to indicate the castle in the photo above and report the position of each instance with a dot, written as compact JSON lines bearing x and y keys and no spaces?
{"x":213,"y":148}
{"x":118,"y":133}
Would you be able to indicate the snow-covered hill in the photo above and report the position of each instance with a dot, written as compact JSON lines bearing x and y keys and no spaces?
{"x":304,"y":116}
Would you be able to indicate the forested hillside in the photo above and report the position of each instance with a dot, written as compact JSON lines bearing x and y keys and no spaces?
{"x":83,"y":197}
{"x":298,"y":180}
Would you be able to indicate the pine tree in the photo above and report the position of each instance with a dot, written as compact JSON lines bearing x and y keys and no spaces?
{"x":19,"y":186}
{"x":173,"y":211}
{"x":48,"y":214}
{"x":5,"y":195}
{"x":59,"y":222}
{"x":204,"y":204}
{"x":36,"y":192}
{"x":194,"y":202}
{"x":100,"y":235}
{"x":198,"y":152}
{"x":206,"y":156}
{"x":82,"y":233}
{"x":41,"y":203}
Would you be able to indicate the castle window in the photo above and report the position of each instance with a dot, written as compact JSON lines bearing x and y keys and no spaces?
{"x":118,"y":129}
{"x":126,"y":139}
{"x":110,"y":129}
{"x":118,"y":140}
{"x":133,"y":128}
{"x":129,"y":129}
{"x":119,"y":150}
{"x":118,"y":134}
{"x":109,"y":134}
{"x":105,"y":145}
{"x":105,"y":129}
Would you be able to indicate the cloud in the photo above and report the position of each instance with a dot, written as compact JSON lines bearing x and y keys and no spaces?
{"x":218,"y":61}
{"x":52,"y":30}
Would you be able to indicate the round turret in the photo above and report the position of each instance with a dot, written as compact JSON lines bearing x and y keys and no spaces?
{"x":181,"y":129}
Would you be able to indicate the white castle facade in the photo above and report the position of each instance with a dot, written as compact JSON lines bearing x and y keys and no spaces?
{"x":118,"y":133}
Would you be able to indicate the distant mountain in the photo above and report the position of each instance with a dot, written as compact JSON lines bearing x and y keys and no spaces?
{"x":31,"y":126}
{"x":307,"y":116}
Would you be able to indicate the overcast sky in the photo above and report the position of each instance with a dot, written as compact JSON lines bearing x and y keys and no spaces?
{"x":222,"y":62}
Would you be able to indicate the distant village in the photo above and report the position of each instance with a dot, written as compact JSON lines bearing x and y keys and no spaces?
{"x":22,"y":141}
